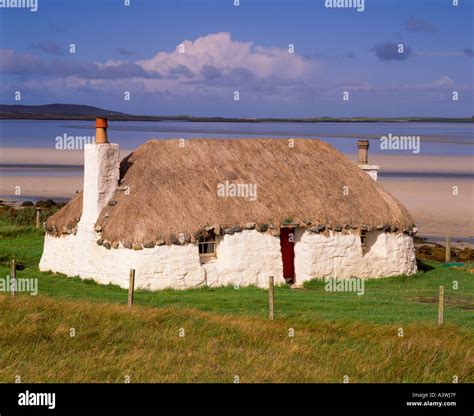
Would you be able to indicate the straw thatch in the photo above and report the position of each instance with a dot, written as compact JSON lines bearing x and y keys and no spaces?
{"x":173,"y":191}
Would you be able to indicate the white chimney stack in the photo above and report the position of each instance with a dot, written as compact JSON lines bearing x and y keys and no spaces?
{"x":363,"y":159}
{"x":101,"y":175}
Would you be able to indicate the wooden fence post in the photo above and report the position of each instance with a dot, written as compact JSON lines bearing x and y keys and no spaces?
{"x":131,"y":287}
{"x":448,"y":249}
{"x":270,"y":298}
{"x":441,"y":306}
{"x":13,"y":278}
{"x":38,"y":217}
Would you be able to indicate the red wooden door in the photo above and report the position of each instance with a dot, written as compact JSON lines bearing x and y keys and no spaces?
{"x":287,"y":238}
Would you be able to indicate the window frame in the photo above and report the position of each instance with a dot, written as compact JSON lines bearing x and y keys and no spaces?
{"x":364,"y":243}
{"x":210,"y":239}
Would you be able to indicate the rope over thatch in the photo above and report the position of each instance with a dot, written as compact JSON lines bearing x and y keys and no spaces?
{"x":172,"y":192}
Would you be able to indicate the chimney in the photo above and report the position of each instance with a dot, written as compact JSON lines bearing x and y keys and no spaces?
{"x":101,"y":175}
{"x":101,"y":130}
{"x":363,"y":159}
{"x":363,"y":147}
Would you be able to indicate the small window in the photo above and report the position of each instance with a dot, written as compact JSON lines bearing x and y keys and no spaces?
{"x":207,"y":246}
{"x":363,"y":241}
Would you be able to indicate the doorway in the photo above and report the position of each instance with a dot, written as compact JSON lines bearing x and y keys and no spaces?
{"x":287,"y":243}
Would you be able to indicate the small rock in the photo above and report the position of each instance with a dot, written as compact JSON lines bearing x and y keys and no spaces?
{"x":276,"y":232}
{"x":379,"y":227}
{"x":160,"y":243}
{"x":262,"y":227}
{"x":137,"y":246}
{"x":250,"y":225}
{"x":98,"y":228}
{"x":115,"y":244}
{"x":106,"y":244}
{"x":386,"y":228}
{"x":128,"y":244}
{"x":338,"y":228}
{"x":321,"y":228}
{"x":149,"y":244}
{"x":99,"y":242}
{"x":364,"y":227}
{"x":229,"y":231}
{"x":174,"y":240}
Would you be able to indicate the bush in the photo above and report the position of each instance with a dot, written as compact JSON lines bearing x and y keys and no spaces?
{"x":25,"y":216}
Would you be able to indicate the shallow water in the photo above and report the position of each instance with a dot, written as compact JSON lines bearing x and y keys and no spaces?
{"x":450,"y":139}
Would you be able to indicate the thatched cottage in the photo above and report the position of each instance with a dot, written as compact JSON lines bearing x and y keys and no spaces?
{"x":188,"y":213}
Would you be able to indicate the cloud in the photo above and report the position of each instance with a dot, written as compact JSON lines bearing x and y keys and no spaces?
{"x":363,"y":86}
{"x":417,"y":25}
{"x":468,"y":52}
{"x":47,"y":47}
{"x":217,"y":55}
{"x":444,"y":81}
{"x":13,"y":63}
{"x":212,"y":66}
{"x":388,"y":51}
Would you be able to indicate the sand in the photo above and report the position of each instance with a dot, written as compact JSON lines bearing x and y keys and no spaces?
{"x":437,"y":212}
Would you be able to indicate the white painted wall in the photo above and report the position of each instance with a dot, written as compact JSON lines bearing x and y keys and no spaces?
{"x":371,"y":170}
{"x":245,"y":258}
{"x":340,"y":255}
{"x":101,"y":175}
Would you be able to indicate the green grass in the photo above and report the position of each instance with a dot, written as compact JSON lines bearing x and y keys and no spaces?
{"x":112,"y":342}
{"x":227,"y":332}
{"x":394,"y":300}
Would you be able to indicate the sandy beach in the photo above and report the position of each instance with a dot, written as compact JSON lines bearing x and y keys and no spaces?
{"x":436,"y":210}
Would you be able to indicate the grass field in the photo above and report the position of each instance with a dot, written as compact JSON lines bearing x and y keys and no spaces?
{"x":226,"y":330}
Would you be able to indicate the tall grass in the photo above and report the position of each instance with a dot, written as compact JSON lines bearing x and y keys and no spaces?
{"x":227,"y":333}
{"x":112,"y":342}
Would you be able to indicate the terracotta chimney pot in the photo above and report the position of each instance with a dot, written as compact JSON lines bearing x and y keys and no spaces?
{"x":101,"y":130}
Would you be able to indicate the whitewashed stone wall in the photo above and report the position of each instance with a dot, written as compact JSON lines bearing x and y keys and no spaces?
{"x":340,"y":255}
{"x":245,"y":258}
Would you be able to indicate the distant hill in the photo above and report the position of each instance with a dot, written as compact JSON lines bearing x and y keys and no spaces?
{"x":87,"y":112}
{"x":58,"y":109}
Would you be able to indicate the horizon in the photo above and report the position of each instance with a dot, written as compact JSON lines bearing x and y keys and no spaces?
{"x":290,"y":60}
{"x":296,"y":117}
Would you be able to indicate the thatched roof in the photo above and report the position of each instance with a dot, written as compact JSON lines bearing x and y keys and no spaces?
{"x":173,"y":191}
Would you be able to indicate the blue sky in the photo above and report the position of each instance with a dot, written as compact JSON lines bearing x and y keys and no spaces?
{"x":243,"y":48}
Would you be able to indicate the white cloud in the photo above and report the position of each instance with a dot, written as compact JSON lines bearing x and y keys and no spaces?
{"x":218,"y":55}
{"x":444,"y":81}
